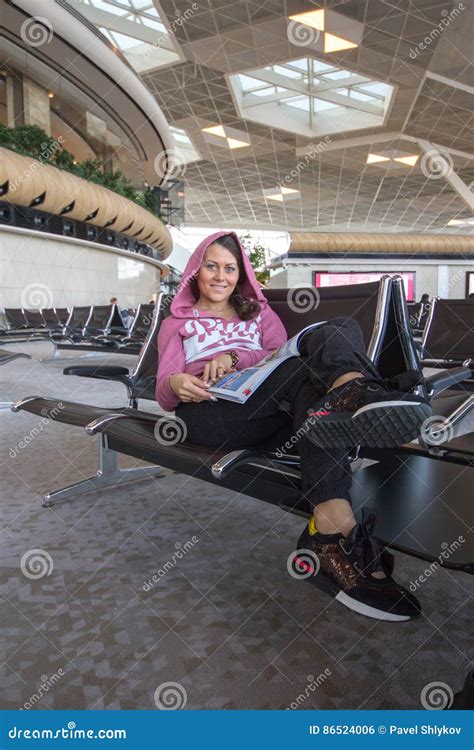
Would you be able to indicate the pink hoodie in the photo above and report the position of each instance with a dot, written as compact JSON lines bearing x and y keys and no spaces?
{"x":189,"y":338}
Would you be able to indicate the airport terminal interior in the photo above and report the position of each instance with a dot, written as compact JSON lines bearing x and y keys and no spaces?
{"x":157,"y":554}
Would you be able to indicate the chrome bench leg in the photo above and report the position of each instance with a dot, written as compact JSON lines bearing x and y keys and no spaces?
{"x":108,"y":475}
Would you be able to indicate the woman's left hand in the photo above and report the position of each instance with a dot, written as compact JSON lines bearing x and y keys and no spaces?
{"x":217,"y":367}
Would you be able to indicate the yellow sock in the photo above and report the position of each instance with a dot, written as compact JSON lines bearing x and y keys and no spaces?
{"x":312,"y":526}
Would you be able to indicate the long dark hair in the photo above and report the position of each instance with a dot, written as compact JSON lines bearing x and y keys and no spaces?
{"x":245,"y":307}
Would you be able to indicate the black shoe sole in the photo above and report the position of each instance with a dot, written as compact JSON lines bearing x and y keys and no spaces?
{"x":374,"y":427}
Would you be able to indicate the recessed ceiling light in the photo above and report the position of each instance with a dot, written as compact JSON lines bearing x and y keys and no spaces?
{"x":460,"y":222}
{"x":409,"y":160}
{"x":276,"y":197}
{"x":313,"y":18}
{"x":215,"y":130}
{"x":283,"y":194}
{"x":234,"y":143}
{"x":374,"y":158}
{"x":334,"y":43}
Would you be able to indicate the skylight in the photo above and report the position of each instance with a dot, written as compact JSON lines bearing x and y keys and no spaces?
{"x":309,"y":97}
{"x":135,"y":28}
{"x":185,"y":151}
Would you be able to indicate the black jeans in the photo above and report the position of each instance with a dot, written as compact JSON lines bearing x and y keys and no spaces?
{"x":273,"y":416}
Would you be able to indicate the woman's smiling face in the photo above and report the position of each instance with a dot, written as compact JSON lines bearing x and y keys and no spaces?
{"x":218,"y":275}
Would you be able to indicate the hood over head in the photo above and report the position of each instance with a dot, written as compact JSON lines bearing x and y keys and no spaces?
{"x":184,"y":300}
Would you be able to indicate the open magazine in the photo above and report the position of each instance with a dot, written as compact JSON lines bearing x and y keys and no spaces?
{"x":239,"y":385}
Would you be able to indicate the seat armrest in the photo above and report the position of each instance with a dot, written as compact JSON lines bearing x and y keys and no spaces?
{"x":264,"y":458}
{"x":438,"y":380}
{"x":99,"y":425}
{"x":104,"y":372}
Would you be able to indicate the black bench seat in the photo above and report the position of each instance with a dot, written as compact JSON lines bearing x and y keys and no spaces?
{"x":380,"y":309}
{"x":400,"y":507}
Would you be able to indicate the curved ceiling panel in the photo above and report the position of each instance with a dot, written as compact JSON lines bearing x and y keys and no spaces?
{"x":54,"y":45}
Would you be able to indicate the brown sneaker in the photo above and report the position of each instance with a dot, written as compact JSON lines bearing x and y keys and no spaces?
{"x":343,"y":567}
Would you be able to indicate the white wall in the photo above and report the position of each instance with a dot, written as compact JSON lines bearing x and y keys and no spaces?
{"x":48,"y":271}
{"x":444,"y":278}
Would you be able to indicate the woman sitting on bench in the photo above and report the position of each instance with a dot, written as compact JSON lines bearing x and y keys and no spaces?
{"x":331,"y":397}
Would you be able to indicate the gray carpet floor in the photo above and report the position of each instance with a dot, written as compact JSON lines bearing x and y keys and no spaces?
{"x":105,"y":614}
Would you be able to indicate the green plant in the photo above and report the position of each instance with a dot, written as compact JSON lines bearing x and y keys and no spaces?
{"x":257,"y":255}
{"x":30,"y":140}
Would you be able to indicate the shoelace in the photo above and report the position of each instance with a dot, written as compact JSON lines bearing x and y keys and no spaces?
{"x":404,"y":382}
{"x":365,"y":550}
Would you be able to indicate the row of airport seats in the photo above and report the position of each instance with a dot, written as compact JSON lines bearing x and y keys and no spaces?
{"x":420,"y":492}
{"x":24,"y":324}
{"x":84,"y":328}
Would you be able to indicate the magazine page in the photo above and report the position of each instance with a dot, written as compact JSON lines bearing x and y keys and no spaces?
{"x":240,"y":384}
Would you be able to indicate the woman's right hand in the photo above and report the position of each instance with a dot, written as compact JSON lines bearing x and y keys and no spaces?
{"x":189,"y":387}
